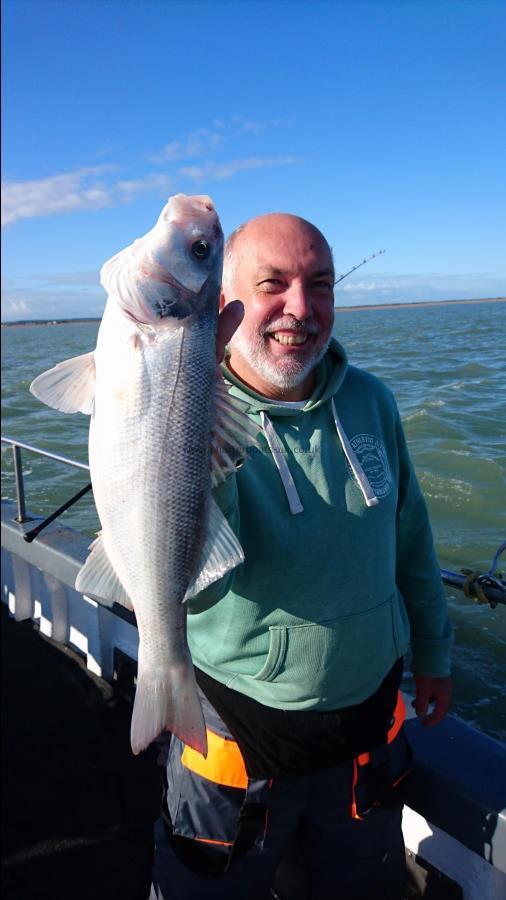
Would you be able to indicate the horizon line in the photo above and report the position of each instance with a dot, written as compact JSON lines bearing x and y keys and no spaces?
{"x":67,"y":320}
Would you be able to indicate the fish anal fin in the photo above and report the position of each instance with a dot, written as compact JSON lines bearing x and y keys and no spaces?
{"x":221,"y":552}
{"x":97,"y":576}
{"x":69,"y":386}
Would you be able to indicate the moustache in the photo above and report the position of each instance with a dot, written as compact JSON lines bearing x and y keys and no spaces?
{"x":292,"y":325}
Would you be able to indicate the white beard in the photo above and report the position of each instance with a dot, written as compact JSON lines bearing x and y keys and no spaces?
{"x":284,"y":373}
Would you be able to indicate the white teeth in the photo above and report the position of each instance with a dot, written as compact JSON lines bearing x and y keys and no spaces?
{"x":289,"y":339}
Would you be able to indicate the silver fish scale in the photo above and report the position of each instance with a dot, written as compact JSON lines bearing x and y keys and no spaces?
{"x":157,"y":513}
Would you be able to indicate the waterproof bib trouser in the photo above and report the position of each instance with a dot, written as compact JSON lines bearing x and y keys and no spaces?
{"x":223,"y":835}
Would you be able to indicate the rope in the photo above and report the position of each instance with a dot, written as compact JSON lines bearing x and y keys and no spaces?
{"x":472,"y":586}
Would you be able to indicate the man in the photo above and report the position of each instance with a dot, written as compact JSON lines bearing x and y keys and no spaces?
{"x":298,"y":651}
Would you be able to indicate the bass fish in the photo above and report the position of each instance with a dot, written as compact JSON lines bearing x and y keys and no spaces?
{"x":163,"y":430}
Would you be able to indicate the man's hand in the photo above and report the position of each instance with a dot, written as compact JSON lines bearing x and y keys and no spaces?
{"x":432,"y":690}
{"x":230,"y":319}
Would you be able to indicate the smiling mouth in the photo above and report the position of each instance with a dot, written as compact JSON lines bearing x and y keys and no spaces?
{"x":289,"y":339}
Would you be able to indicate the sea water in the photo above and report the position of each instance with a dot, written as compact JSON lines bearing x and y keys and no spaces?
{"x":446,"y":365}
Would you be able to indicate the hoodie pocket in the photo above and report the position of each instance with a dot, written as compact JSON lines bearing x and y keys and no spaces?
{"x":278,"y":645}
{"x":350,"y":651}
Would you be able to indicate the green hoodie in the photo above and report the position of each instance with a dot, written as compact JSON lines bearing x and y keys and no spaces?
{"x":329,"y":591}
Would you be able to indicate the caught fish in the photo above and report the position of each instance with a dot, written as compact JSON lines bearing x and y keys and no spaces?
{"x":163,"y":429}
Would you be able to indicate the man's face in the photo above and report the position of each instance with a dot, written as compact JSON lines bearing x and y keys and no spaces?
{"x":284,"y":275}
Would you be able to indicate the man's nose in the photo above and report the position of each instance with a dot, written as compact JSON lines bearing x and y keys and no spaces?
{"x":297,"y":302}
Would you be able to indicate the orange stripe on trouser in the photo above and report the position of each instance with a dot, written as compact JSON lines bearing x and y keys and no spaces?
{"x":363,"y":759}
{"x":223,"y":765}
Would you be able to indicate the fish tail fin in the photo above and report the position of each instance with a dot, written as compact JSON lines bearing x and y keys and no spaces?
{"x":168,"y":701}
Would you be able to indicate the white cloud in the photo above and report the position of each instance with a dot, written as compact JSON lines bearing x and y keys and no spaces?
{"x":57,"y":193}
{"x":361,"y":286}
{"x":16,"y":309}
{"x":162,"y":183}
{"x":220,"y":171}
{"x":254,"y":126}
{"x":195,"y":144}
{"x":96,"y":187}
{"x":203,"y":141}
{"x":84,"y":188}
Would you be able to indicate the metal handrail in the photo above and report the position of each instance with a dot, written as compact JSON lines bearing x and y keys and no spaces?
{"x":64,"y":459}
{"x":17,"y":446}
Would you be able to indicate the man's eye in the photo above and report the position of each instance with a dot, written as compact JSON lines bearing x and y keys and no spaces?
{"x":323,"y":285}
{"x":271,"y":283}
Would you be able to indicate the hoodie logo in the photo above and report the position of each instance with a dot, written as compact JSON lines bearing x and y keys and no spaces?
{"x":372,"y":457}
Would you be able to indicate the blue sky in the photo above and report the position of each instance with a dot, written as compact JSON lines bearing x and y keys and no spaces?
{"x":381,"y":122}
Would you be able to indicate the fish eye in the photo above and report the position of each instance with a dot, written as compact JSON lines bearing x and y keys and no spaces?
{"x":201,"y":249}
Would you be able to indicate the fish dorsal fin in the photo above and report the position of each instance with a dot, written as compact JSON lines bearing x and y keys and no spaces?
{"x":221,"y":552}
{"x":97,"y":576}
{"x":233,"y":433}
{"x":69,"y":386}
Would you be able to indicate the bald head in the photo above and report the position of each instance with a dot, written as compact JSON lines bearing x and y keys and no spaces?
{"x":262,"y":227}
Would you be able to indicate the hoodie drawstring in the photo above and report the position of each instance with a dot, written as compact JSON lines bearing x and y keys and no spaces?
{"x":362,"y":479}
{"x":278,"y":456}
{"x":282,"y":465}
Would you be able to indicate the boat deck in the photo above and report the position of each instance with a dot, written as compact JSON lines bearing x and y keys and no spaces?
{"x":78,"y":807}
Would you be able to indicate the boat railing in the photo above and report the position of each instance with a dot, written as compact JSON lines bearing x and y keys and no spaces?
{"x":488,"y":587}
{"x":17,"y":447}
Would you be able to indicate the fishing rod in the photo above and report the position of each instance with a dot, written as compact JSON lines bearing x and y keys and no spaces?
{"x":364,"y":261}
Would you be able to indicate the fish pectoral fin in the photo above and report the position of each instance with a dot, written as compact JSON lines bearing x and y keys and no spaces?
{"x":221,"y":552}
{"x":233,"y":433}
{"x":97,"y":576}
{"x":69,"y":386}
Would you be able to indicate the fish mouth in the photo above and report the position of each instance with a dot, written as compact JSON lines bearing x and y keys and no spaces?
{"x":155,"y":272}
{"x":183,"y":206}
{"x":180,"y":300}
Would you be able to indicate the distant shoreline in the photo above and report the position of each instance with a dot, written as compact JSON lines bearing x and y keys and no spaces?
{"x":404,"y":305}
{"x":32,"y":322}
{"x":401,"y":305}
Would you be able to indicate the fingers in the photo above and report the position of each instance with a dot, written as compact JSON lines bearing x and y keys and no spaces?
{"x":229,"y":320}
{"x":432,"y":690}
{"x":421,"y":702}
{"x":438,"y":713}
